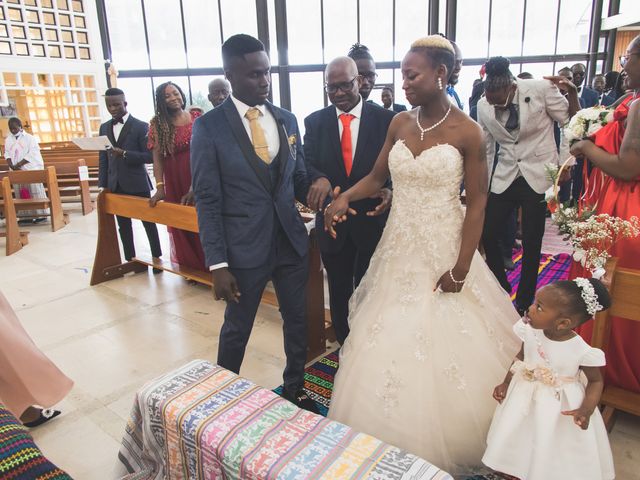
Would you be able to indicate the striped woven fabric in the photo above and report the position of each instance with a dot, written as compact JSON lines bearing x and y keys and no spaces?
{"x":204,"y":422}
{"x":552,"y":269}
{"x":20,"y":458}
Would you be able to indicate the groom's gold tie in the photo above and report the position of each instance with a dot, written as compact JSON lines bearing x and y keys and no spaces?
{"x":257,"y":135}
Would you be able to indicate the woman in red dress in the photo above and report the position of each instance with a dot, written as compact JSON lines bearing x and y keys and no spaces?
{"x":170,"y":141}
{"x":614,"y":184}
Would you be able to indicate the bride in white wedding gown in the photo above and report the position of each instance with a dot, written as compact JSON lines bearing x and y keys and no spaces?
{"x":419,"y":365}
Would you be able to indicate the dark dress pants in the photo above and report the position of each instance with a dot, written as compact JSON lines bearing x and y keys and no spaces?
{"x":509,"y":236}
{"x":499,"y":207}
{"x":126,"y":230}
{"x":288,"y":272}
{"x":345,"y":269}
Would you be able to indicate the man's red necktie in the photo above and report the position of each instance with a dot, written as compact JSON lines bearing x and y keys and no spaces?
{"x":345,"y":141}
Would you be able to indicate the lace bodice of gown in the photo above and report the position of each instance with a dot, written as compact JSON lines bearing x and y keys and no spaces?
{"x":426,"y":216}
{"x":431,"y":180}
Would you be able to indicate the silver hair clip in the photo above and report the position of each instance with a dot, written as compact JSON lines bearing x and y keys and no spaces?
{"x":589,"y":296}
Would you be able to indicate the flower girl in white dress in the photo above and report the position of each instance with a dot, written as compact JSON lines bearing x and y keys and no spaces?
{"x":547,"y":425}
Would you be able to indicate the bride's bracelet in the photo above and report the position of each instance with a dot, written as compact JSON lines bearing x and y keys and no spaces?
{"x":458,"y":282}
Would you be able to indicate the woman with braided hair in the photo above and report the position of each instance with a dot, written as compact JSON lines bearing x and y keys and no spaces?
{"x":170,"y":141}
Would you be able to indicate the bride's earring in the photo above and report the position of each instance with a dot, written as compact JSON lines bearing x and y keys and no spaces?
{"x":439,"y":83}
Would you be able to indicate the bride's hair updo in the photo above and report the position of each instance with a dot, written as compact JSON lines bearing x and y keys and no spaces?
{"x":498,"y":74}
{"x":437,"y":48}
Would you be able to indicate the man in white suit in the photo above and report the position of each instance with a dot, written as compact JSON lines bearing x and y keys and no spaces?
{"x":518,"y":115}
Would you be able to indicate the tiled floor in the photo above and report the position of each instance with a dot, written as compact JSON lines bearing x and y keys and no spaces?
{"x":112,"y":338}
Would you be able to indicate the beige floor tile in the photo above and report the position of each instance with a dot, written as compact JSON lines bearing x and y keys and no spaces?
{"x":626,"y":455}
{"x":152,"y":289}
{"x":127,"y":353}
{"x":39,"y":288}
{"x":79,"y":446}
{"x":75,"y":315}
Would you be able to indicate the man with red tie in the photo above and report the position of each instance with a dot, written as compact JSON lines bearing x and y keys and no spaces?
{"x":341,"y":145}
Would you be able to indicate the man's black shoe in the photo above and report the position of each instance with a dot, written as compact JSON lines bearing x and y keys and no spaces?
{"x":301,"y":400}
{"x":508,"y":263}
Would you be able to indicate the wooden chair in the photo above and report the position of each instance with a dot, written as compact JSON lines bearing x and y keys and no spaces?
{"x":108,"y":262}
{"x":73,"y":183}
{"x":15,"y":238}
{"x":52,"y":202}
{"x":625,"y":295}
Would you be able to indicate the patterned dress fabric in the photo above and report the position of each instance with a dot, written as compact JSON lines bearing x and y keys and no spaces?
{"x":20,"y":457}
{"x":419,"y":367}
{"x":204,"y":422}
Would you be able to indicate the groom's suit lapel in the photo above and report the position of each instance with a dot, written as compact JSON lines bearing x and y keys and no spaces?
{"x":244,"y":142}
{"x":283,"y":153}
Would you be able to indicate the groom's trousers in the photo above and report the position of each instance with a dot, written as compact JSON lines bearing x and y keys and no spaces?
{"x":288,"y":272}
{"x":499,"y":206}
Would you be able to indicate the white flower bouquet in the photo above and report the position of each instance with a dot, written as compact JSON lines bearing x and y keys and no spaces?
{"x":586,"y":122}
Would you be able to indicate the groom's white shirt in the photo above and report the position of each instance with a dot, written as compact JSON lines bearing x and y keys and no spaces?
{"x":525,"y":151}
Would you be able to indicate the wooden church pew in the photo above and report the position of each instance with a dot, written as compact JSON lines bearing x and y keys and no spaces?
{"x":15,"y":239}
{"x":108,"y":263}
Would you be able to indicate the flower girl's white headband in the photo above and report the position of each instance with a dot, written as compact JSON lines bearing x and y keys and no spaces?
{"x":589,"y":296}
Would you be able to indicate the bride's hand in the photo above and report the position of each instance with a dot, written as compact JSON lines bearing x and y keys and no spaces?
{"x":451,"y":281}
{"x":336,"y":212}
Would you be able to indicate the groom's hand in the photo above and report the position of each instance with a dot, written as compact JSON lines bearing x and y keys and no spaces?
{"x":225,"y":286}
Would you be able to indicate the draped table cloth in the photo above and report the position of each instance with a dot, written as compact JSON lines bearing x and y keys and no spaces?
{"x":204,"y":422}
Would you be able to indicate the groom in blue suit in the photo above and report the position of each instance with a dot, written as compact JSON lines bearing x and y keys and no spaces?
{"x":248,"y":170}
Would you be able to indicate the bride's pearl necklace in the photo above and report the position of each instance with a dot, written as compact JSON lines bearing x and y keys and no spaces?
{"x":425,"y":130}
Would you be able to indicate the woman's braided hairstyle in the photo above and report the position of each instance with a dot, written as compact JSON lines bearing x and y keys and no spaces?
{"x":162,"y":123}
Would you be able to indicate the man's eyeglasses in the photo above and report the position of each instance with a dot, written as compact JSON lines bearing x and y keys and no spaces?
{"x":371,"y":76}
{"x":344,"y":86}
{"x":624,"y":59}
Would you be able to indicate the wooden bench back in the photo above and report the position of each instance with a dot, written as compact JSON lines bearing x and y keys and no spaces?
{"x":165,"y":213}
{"x":625,"y":303}
{"x":49,"y":179}
{"x":31,"y":176}
{"x":14,"y":238}
{"x":91,"y":158}
{"x":70,"y":168}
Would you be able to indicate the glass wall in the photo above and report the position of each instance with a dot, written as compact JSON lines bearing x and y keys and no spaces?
{"x":181,"y":39}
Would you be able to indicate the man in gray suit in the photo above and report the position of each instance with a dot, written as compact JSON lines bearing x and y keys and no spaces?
{"x":248,"y":170}
{"x":519,"y":115}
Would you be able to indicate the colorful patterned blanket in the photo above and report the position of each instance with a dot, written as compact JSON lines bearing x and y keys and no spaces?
{"x":204,"y":422}
{"x":20,"y":457}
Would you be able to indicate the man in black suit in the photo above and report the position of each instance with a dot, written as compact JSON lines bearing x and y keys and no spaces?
{"x":122,"y":168}
{"x":588,"y":97}
{"x":341,"y":145}
{"x":387,"y":101}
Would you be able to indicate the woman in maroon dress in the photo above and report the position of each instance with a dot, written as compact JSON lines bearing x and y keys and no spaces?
{"x":170,"y":140}
{"x":614,"y":188}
